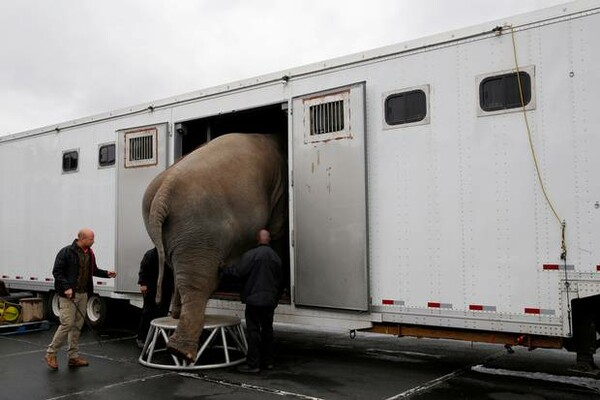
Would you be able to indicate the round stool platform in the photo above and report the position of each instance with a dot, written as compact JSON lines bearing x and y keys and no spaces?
{"x":222,"y":344}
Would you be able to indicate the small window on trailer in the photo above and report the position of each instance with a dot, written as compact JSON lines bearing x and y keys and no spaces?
{"x":500,"y":92}
{"x":70,"y":161}
{"x":406,"y":107}
{"x":106,"y":155}
{"x":140,"y":148}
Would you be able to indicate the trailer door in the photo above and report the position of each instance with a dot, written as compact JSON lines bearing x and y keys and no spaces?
{"x":142,"y":154}
{"x":329,"y":186}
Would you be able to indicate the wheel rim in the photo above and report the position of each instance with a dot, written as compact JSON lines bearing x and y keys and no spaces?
{"x":55,"y":305}
{"x":94,"y":309}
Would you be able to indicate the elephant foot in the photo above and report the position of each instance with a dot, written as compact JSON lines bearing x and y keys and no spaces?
{"x":182,"y":348}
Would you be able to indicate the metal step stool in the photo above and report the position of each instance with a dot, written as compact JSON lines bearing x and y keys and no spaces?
{"x":223,"y":337}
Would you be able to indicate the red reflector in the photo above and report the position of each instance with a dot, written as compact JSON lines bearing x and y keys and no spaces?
{"x":597,"y":267}
{"x":33,"y":278}
{"x":433,"y":305}
{"x":48,"y":279}
{"x":475,"y":307}
{"x":387,"y":302}
{"x":18,"y":277}
{"x":6,"y":276}
{"x":532,"y":310}
{"x":100,"y":283}
{"x":551,"y":267}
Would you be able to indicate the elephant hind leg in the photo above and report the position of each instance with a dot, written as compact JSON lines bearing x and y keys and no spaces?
{"x":181,"y":349}
{"x":184,"y":341}
{"x":176,"y":304}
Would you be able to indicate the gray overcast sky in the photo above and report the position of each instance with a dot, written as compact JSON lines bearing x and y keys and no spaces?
{"x":66,"y":59}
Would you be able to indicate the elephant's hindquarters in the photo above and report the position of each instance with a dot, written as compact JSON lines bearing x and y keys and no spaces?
{"x":216,"y":199}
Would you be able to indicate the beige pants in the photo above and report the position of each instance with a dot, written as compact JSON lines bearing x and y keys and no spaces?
{"x":71,"y":322}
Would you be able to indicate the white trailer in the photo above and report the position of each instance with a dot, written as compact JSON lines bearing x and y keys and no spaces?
{"x":434,"y":184}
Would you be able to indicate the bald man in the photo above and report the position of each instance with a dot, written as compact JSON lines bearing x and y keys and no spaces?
{"x":74,"y":267}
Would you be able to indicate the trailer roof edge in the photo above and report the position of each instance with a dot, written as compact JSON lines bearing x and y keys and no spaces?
{"x":518,"y":21}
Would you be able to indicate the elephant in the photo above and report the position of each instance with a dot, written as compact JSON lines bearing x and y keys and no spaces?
{"x":203,"y":213}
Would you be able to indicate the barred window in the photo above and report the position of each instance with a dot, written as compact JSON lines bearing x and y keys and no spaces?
{"x":140,"y":148}
{"x":327,"y":117}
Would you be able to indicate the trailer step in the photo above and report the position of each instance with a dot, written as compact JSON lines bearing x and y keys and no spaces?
{"x":14,"y":329}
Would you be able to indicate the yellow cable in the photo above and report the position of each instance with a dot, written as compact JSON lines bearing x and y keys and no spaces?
{"x":533,"y":155}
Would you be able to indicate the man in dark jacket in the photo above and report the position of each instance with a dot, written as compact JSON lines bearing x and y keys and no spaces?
{"x":73,"y":270}
{"x":261,"y":270}
{"x":147,"y":279}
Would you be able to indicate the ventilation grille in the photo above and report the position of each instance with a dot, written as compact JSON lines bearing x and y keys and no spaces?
{"x":140,"y":148}
{"x":327,"y":118}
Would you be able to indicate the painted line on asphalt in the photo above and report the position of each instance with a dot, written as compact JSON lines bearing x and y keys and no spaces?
{"x":404,"y":353}
{"x":115,"y":339}
{"x":43,"y":349}
{"x":100,"y":356}
{"x":434,"y":382}
{"x":588,"y":383}
{"x":21,"y":353}
{"x":248,"y":386}
{"x":88,"y":392}
{"x":426,"y":386}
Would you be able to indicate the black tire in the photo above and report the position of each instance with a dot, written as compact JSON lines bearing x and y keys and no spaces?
{"x":96,"y":311}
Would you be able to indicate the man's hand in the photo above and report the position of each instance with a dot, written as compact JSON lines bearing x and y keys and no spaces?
{"x":112,"y":274}
{"x":69,"y":293}
{"x":144,"y":289}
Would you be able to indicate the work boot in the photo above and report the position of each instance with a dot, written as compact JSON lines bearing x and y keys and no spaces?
{"x":78,"y":362}
{"x":585,"y":365}
{"x":268,"y":366}
{"x":51,"y":361}
{"x":246,"y":369}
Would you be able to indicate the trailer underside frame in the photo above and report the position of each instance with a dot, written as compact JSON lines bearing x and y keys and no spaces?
{"x":508,"y":339}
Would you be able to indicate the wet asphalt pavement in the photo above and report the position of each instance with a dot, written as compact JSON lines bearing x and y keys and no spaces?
{"x":310,"y":364}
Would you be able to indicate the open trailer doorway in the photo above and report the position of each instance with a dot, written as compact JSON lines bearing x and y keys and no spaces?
{"x":270,"y":119}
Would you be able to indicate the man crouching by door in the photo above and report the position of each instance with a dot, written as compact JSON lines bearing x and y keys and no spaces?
{"x":73,"y":270}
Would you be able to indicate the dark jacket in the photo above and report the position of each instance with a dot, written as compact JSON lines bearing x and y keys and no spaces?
{"x":261,"y":268}
{"x":148,"y":274}
{"x":66,"y":270}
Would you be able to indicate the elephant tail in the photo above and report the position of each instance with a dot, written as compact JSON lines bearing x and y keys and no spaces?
{"x":157,"y":215}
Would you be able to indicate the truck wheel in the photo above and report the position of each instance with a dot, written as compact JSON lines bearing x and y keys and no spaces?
{"x":96,"y":311}
{"x":52,"y":308}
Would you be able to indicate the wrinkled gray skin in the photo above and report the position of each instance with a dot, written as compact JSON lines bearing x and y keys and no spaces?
{"x":204,"y":212}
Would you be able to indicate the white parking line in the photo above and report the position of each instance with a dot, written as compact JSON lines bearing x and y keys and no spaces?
{"x":249,"y":387}
{"x":434,"y":382}
{"x":426,"y":386}
{"x":406,"y":353}
{"x":87,"y":392}
{"x":589,"y":383}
